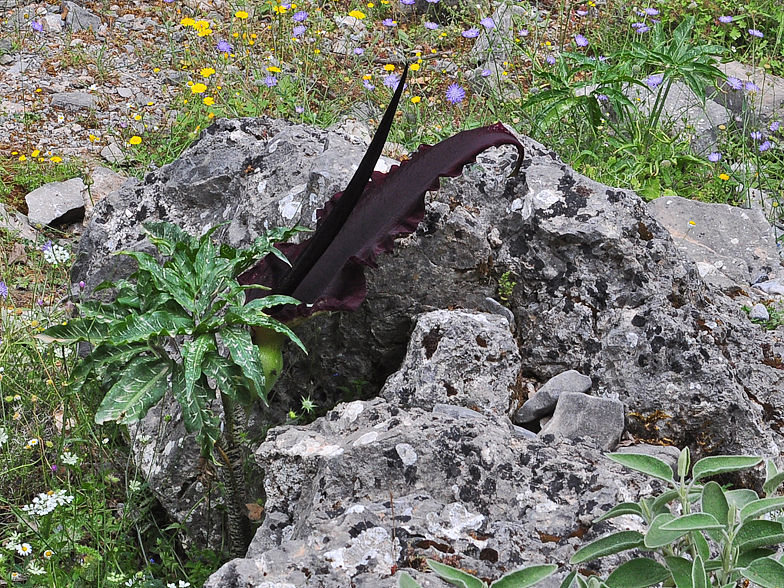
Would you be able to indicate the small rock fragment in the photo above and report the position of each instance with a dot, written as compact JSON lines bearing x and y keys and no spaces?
{"x":580,"y":415}
{"x":543,"y":402}
{"x":759,"y":312}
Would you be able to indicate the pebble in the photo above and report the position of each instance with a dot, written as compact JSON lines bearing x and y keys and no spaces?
{"x":759,"y":312}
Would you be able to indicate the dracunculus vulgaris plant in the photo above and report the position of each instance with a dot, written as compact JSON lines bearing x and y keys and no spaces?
{"x":181,"y":322}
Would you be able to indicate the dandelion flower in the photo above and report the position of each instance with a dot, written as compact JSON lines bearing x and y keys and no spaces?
{"x":357,"y":14}
{"x":187,"y":22}
{"x":207,"y":72}
{"x":198,"y":88}
{"x":389,"y":67}
{"x":135,"y":140}
{"x":471,"y":33}
{"x":414,"y":67}
{"x":724,"y":177}
{"x":208,"y":101}
{"x":415,"y":100}
{"x":455,"y":94}
{"x":241,"y":14}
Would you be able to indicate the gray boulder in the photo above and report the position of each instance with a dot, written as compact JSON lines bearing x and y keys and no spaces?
{"x":546,"y":398}
{"x":578,"y":416}
{"x":733,"y":247}
{"x":601,"y":287}
{"x":78,"y":18}
{"x":74,"y":101}
{"x":372,"y":488}
{"x":56,"y":203}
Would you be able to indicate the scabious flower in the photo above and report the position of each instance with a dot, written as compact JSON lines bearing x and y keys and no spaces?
{"x":774,"y":126}
{"x":471,"y":33}
{"x":37,"y":26}
{"x":298,"y":30}
{"x":300,"y":16}
{"x":550,"y":59}
{"x":358,"y":51}
{"x":641,"y":28}
{"x":651,"y":12}
{"x":487,"y":22}
{"x":224,"y":47}
{"x":756,"y":33}
{"x":431,"y":26}
{"x":486,"y":72}
{"x":764,"y":146}
{"x":756,"y":135}
{"x":455,"y":94}
{"x":299,"y":109}
{"x":581,"y":12}
{"x":751,"y":87}
{"x":270,"y":81}
{"x":408,"y":2}
{"x":714,"y":157}
{"x":654,"y":81}
{"x":388,"y":22}
{"x":602,"y":97}
{"x":734,"y":83}
{"x":368,"y":85}
{"x":581,"y":41}
{"x":391,"y":81}
{"x":725,"y":19}
{"x":3,"y":290}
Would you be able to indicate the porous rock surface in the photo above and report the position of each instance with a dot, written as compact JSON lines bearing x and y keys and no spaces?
{"x":601,"y":288}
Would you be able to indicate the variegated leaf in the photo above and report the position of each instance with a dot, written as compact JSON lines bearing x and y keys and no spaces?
{"x":142,"y":384}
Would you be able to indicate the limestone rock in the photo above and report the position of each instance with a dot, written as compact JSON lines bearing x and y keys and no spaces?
{"x":732,"y":246}
{"x":74,"y":101}
{"x":759,"y":312}
{"x":78,"y":18}
{"x":760,"y":106}
{"x":579,"y":415}
{"x":457,"y":357}
{"x":56,"y":203}
{"x":16,"y":223}
{"x":371,"y":487}
{"x":545,"y":399}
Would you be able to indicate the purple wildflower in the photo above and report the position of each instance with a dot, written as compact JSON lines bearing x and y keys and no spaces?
{"x":756,"y":33}
{"x":642,"y":30}
{"x":408,"y":2}
{"x":300,"y":16}
{"x":651,"y":12}
{"x":368,"y":85}
{"x":734,"y":83}
{"x":299,"y":109}
{"x":550,"y":59}
{"x":388,"y":22}
{"x":774,"y":126}
{"x":523,"y":32}
{"x":455,"y":94}
{"x":764,"y":147}
{"x":433,"y":1}
{"x":358,"y":51}
{"x":654,"y":81}
{"x":486,"y":72}
{"x":487,"y":22}
{"x":270,"y":81}
{"x":82,"y":284}
{"x":224,"y":47}
{"x":751,"y":87}
{"x":431,"y":26}
{"x":602,"y":97}
{"x":756,"y":135}
{"x":471,"y":33}
{"x":714,"y":157}
{"x":391,"y":81}
{"x":3,"y":290}
{"x":581,"y":41}
{"x":46,"y":246}
{"x":725,"y":19}
{"x":37,"y":26}
{"x":299,"y":30}
{"x":581,"y":12}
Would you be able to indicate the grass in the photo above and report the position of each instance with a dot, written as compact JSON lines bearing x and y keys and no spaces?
{"x":560,"y":76}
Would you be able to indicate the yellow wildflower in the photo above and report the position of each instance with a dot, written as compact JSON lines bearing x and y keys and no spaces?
{"x":35,"y":153}
{"x":55,"y":159}
{"x":241,"y":14}
{"x":207,"y":72}
{"x":389,"y":67}
{"x":198,"y":88}
{"x":187,"y":22}
{"x":357,"y":14}
{"x":273,"y":69}
{"x":415,"y":99}
{"x":135,"y":140}
{"x":724,"y":177}
{"x":209,"y":101}
{"x":414,"y":67}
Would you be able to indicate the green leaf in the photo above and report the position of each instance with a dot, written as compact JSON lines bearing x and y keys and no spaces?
{"x":196,"y":413}
{"x":680,"y":568}
{"x":756,"y":533}
{"x":454,"y":576}
{"x":760,"y":507}
{"x":638,"y":573}
{"x":608,"y":545}
{"x":165,"y":236}
{"x":701,"y":544}
{"x":740,"y":498}
{"x":745,"y":558}
{"x":656,"y":537}
{"x":698,"y":521}
{"x":406,"y":581}
{"x":722,"y":464}
{"x":684,"y":461}
{"x":152,"y":324}
{"x":773,"y":478}
{"x":192,"y":357}
{"x":245,"y":354}
{"x":715,"y":503}
{"x":699,"y":578}
{"x":228,"y":377}
{"x":568,"y":580}
{"x":765,"y":572}
{"x":142,"y":384}
{"x":659,"y":504}
{"x":100,"y":356}
{"x":647,"y":464}
{"x":166,"y":279}
{"x":525,"y":577}
{"x":239,"y":315}
{"x":625,"y":508}
{"x":75,"y":330}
